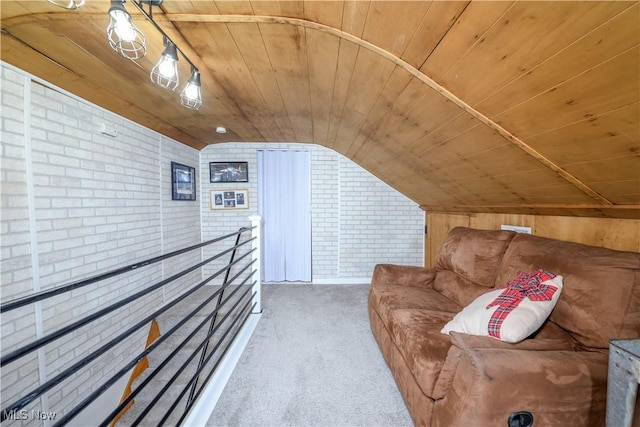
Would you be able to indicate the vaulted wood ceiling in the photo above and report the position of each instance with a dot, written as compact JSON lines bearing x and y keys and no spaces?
{"x":520,"y":107}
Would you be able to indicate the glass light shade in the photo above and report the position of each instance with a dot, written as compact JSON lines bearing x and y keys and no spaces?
{"x":165,"y":72}
{"x":68,"y":4}
{"x":124,"y":37}
{"x":191,"y":96}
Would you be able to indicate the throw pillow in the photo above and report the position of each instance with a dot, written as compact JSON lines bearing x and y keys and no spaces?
{"x":513,"y":313}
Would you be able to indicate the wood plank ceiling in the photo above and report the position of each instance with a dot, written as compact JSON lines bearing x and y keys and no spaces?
{"x":519,"y":107}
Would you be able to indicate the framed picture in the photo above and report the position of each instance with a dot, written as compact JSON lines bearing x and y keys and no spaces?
{"x":229,"y":172}
{"x":226,"y":198}
{"x":183,"y":182}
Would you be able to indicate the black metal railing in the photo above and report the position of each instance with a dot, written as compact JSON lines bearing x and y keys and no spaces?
{"x":224,"y":308}
{"x":203,"y":355}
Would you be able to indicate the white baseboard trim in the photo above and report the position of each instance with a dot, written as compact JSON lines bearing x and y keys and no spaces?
{"x":203,"y":408}
{"x":343,"y":281}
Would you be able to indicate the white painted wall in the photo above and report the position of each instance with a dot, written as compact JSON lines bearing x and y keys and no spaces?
{"x":358,"y":221}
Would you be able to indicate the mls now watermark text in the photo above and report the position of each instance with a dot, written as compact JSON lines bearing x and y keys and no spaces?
{"x":28,"y":415}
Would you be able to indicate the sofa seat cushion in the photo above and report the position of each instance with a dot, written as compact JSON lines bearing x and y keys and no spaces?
{"x":416,"y":333}
{"x":385,"y":298}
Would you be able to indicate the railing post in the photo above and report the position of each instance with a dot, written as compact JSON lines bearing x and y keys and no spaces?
{"x":256,"y":222}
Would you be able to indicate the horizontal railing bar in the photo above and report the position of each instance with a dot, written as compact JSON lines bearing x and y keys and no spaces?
{"x":201,"y":368}
{"x":184,"y":365}
{"x":20,"y":302}
{"x":215,"y":366}
{"x":230,"y":282}
{"x":158,"y":369}
{"x":77,"y":366}
{"x":16,"y":354}
{"x":104,"y":387}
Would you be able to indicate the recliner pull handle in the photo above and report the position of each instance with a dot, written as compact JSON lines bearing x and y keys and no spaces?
{"x":520,"y":419}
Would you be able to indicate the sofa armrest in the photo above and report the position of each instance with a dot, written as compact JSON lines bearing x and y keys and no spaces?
{"x":403,"y":275}
{"x":493,"y":379}
{"x":464,"y":343}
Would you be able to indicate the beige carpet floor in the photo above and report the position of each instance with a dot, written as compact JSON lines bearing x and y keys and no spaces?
{"x":312,"y":361}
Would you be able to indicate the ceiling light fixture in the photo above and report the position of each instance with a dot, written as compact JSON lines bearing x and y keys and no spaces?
{"x":68,"y":4}
{"x":124,"y":37}
{"x":191,"y":96}
{"x":165,"y":72}
{"x":168,"y":64}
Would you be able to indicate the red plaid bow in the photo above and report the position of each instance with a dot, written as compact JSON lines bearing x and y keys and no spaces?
{"x":524,"y":286}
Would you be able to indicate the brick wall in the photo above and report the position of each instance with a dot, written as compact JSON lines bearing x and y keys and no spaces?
{"x":377,"y":224}
{"x":357,"y":220}
{"x":76,"y":203}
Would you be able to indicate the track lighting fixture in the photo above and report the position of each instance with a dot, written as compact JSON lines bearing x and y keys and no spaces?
{"x":68,"y":4}
{"x":124,"y":37}
{"x":165,"y":72}
{"x":190,"y":96}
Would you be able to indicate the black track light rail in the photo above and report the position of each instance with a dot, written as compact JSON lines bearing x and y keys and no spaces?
{"x":149,"y":17}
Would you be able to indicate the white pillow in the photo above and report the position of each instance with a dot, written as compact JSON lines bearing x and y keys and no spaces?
{"x":514,"y":326}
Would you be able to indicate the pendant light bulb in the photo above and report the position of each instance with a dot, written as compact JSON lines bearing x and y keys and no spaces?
{"x":191,"y":96}
{"x":124,"y":37}
{"x":165,"y":72}
{"x":68,"y":4}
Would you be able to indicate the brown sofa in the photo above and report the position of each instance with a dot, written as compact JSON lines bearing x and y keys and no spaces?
{"x":559,"y":374}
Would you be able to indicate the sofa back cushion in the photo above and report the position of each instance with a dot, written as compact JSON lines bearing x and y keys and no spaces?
{"x":601,"y":295}
{"x":467,"y":262}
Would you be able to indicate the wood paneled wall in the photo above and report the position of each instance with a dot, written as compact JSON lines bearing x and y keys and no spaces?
{"x":619,"y":234}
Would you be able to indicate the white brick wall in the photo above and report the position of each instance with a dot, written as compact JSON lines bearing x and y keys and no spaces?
{"x":357,"y":220}
{"x":377,"y":224}
{"x":325,"y":215}
{"x":76,"y":203}
{"x":181,"y":219}
{"x":16,"y":263}
{"x":221,"y":222}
